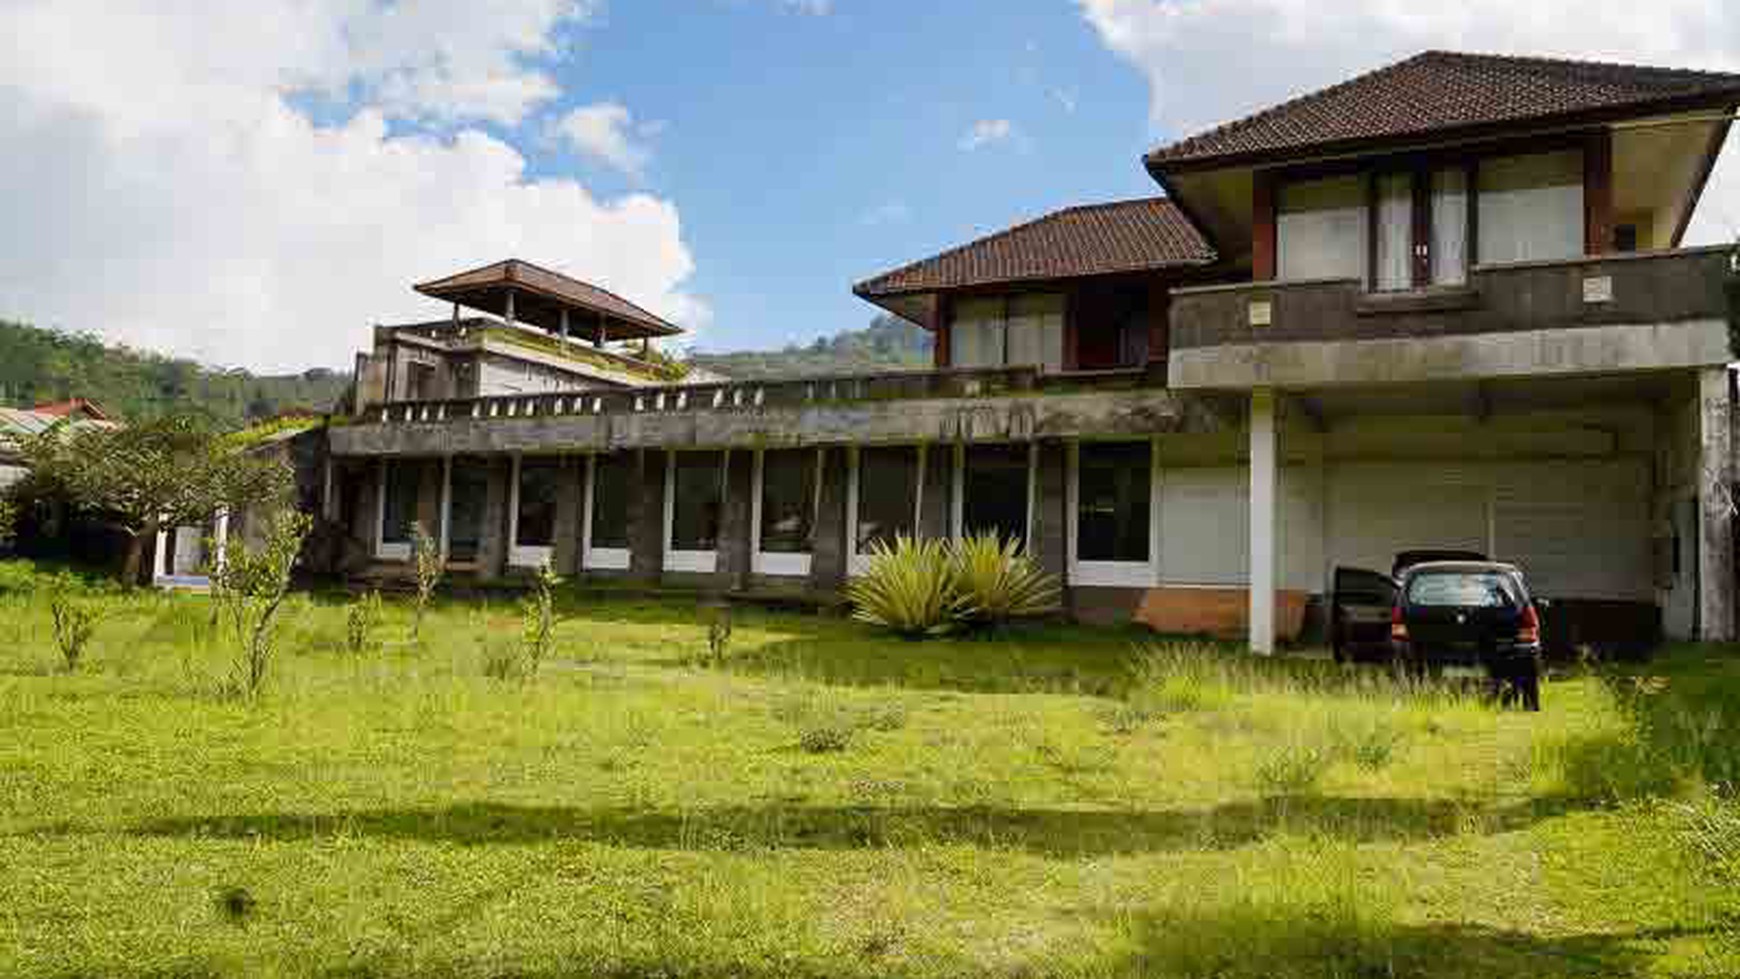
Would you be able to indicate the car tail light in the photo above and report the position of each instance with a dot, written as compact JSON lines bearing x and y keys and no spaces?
{"x":1398,"y":628}
{"x":1529,"y":630}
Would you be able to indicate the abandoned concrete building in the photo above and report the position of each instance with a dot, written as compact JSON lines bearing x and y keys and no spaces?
{"x":1441,"y":305}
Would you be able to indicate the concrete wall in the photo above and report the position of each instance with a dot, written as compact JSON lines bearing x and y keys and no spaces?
{"x":1582,"y":497}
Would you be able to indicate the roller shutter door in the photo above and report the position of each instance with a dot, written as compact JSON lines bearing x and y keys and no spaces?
{"x":1378,"y":509}
{"x":1577,"y":529}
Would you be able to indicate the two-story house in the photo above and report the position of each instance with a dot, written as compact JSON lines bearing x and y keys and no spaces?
{"x":1443,"y":304}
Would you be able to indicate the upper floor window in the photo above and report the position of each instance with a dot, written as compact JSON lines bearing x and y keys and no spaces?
{"x":1407,"y":225}
{"x":1008,"y":331}
{"x":1320,"y":229}
{"x":1531,"y":207}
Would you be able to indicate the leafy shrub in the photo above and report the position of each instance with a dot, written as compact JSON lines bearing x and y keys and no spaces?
{"x":1371,"y":746}
{"x":360,"y":623}
{"x":538,"y":619}
{"x":997,"y":581}
{"x":430,"y":567}
{"x":718,"y":635}
{"x":75,"y":620}
{"x":908,"y":588}
{"x":826,"y":736}
{"x":248,"y":586}
{"x":1294,"y":769}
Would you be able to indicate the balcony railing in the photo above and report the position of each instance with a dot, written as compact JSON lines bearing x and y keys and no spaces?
{"x":765,"y":394}
{"x":1309,"y":332}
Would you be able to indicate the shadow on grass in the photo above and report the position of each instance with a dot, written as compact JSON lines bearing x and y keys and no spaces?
{"x":1251,"y":940}
{"x":1052,"y":832}
{"x":1053,"y":658}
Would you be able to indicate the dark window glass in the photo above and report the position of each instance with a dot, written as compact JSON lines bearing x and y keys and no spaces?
{"x":698,"y":497}
{"x":469,"y":489}
{"x":538,"y":488}
{"x":399,"y":508}
{"x":1112,"y":493}
{"x":887,"y":494}
{"x":996,"y":492}
{"x":611,"y":478}
{"x":788,"y":499}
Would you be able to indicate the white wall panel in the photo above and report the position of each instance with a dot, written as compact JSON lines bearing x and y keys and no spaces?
{"x":1205,"y":526}
{"x":1378,"y":509}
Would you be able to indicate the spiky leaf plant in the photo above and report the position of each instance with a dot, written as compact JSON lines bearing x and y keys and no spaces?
{"x":997,"y":581}
{"x":908,"y":588}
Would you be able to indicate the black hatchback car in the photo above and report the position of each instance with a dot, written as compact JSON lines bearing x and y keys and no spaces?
{"x":1470,"y":617}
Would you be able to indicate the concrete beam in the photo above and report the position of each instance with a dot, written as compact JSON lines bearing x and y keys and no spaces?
{"x":946,"y":420}
{"x":1570,"y":352}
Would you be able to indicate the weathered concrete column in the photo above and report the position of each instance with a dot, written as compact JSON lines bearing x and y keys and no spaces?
{"x":429,"y":490}
{"x":1050,"y":544}
{"x":646,"y":516}
{"x":570,"y":483}
{"x":828,"y":552}
{"x":735,"y":546}
{"x":938,"y":483}
{"x":365,"y":523}
{"x":1715,"y":505}
{"x":1263,"y":523}
{"x":492,"y":550}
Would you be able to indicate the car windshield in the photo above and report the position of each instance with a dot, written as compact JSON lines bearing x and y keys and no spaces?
{"x":1462,"y":589}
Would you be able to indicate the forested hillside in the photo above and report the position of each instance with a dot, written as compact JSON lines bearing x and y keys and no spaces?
{"x":39,"y":365}
{"x":888,"y":343}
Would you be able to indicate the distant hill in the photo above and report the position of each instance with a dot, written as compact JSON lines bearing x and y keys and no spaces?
{"x":38,"y":365}
{"x":888,"y":343}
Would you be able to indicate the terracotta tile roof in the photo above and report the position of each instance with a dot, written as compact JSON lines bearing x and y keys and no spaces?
{"x":483,"y":289}
{"x":1122,"y":236}
{"x":1441,"y":92}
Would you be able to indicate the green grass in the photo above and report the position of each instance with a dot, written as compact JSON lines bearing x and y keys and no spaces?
{"x":834,"y":802}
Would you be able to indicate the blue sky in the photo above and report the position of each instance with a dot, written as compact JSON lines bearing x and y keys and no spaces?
{"x":255,"y":184}
{"x":806,"y":152}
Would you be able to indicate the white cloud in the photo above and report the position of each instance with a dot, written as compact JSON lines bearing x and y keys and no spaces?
{"x":607,"y":132}
{"x":812,"y":8}
{"x":1208,"y":61}
{"x":986,"y":132}
{"x":166,"y":186}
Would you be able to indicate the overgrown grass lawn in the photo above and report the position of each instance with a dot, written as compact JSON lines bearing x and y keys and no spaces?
{"x":832,"y":802}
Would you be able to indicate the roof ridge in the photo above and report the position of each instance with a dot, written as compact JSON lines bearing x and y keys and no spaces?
{"x":1561,"y":62}
{"x":1157,"y":210}
{"x":1628,"y":84}
{"x":1307,"y":98}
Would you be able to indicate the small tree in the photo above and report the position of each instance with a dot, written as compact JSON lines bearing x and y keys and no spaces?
{"x":8,"y":518}
{"x":74,"y":623}
{"x":173,"y":469}
{"x":538,"y":619}
{"x":429,"y":570}
{"x":360,"y":621}
{"x":248,"y":586}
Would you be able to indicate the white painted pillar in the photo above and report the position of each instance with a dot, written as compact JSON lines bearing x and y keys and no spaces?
{"x":159,"y":555}
{"x":446,"y":503}
{"x":510,"y":307}
{"x":1263,"y":522}
{"x":221,"y":539}
{"x":1716,"y":506}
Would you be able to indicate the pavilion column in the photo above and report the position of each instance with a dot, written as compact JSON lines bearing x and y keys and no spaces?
{"x":1263,"y":450}
{"x":570,"y":510}
{"x":1716,"y":517}
{"x":646,"y":516}
{"x":509,"y":312}
{"x":828,"y":551}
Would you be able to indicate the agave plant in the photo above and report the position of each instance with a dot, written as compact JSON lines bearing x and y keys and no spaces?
{"x":908,"y":588}
{"x":997,"y":581}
